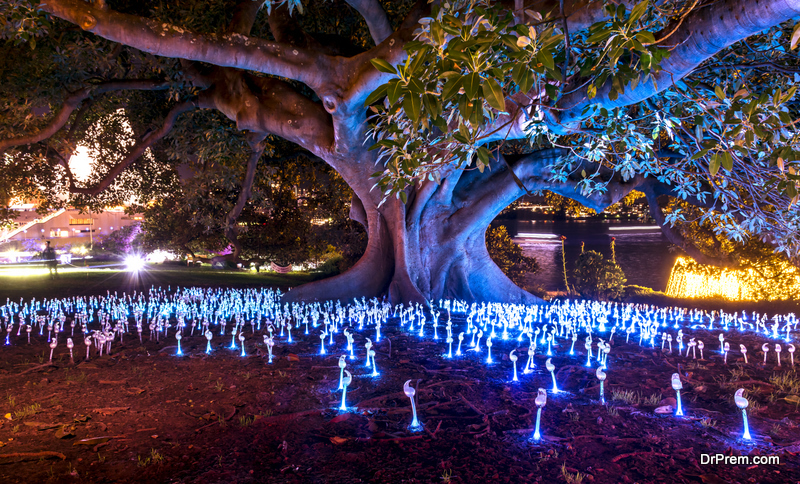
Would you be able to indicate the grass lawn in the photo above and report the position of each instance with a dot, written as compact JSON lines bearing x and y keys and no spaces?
{"x":34,"y":281}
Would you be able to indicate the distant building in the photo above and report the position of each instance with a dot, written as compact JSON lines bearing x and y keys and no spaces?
{"x":65,"y":227}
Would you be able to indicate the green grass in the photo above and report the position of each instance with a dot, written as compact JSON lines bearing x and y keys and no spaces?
{"x":570,"y":478}
{"x":628,"y":396}
{"x":27,"y":411}
{"x":26,"y":282}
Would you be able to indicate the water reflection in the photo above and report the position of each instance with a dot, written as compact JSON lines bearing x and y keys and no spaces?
{"x":642,"y":250}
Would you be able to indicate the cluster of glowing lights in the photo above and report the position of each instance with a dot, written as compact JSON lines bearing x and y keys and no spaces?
{"x":553,"y":330}
{"x":691,"y":280}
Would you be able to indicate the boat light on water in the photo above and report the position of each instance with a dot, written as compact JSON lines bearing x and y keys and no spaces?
{"x":525,"y":235}
{"x":640,"y":227}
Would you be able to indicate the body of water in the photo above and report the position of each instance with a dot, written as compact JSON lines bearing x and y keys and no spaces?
{"x":642,"y":250}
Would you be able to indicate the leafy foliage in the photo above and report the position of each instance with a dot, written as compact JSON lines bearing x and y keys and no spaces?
{"x":598,"y":277}
{"x":508,"y":256}
{"x":722,"y":136}
{"x":468,"y":60}
{"x":298,"y":208}
{"x":573,"y":208}
{"x":125,"y":240}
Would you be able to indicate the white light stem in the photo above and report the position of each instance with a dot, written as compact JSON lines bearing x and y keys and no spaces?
{"x":746,"y":435}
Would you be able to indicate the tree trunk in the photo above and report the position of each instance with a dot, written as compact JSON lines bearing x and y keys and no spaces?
{"x":431,"y":248}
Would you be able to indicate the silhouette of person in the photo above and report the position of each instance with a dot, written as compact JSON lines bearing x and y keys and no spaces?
{"x":49,"y":256}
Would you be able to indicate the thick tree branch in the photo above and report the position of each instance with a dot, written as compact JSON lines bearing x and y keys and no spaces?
{"x":375,"y":16}
{"x":479,"y":197}
{"x":704,"y":32}
{"x":74,"y":100}
{"x":229,"y":50}
{"x":244,"y":16}
{"x":268,"y":105}
{"x":137,"y":151}
{"x":363,"y":78}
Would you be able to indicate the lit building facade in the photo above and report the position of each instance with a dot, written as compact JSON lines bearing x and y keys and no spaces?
{"x":66,"y":227}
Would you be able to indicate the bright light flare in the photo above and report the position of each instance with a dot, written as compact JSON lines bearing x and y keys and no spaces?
{"x":134,"y":263}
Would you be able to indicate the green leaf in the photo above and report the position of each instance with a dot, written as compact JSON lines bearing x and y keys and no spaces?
{"x":411,"y":104}
{"x":526,"y":82}
{"x":727,"y":161}
{"x":638,"y":11}
{"x":451,"y":87}
{"x":720,"y":93}
{"x":494,"y":94}
{"x":699,"y":155}
{"x":376,"y":95}
{"x":415,"y":86}
{"x":598,"y":36}
{"x":471,"y":84}
{"x":646,"y":37}
{"x":394,"y":90}
{"x":546,"y":58}
{"x":383,"y":66}
{"x":432,"y":105}
{"x":517,"y":72}
{"x":403,"y":197}
{"x":713,"y":165}
{"x":483,"y":155}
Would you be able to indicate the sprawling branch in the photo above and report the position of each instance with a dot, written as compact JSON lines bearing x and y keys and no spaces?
{"x":268,"y":105}
{"x":229,"y":50}
{"x":375,"y":16}
{"x":703,"y":33}
{"x":244,"y":16}
{"x":363,"y":77}
{"x":231,"y":231}
{"x":137,"y":151}
{"x":74,"y":100}
{"x":479,"y":197}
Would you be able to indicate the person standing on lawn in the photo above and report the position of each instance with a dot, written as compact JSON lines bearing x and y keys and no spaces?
{"x":49,"y":256}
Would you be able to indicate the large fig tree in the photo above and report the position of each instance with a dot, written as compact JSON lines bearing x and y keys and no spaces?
{"x":675,"y":98}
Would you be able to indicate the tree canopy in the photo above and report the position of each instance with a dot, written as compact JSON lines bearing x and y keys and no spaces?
{"x":437,"y":115}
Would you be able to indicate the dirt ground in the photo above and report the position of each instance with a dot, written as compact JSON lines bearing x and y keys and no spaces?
{"x":144,"y":414}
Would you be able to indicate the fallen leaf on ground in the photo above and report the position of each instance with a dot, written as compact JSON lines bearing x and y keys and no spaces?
{"x":92,"y":441}
{"x":65,"y":432}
